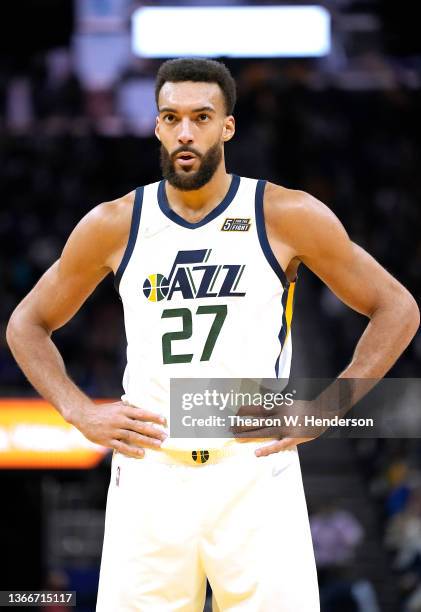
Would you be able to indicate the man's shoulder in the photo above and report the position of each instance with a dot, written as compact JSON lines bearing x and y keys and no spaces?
{"x":289,"y":207}
{"x":110,"y":220}
{"x":295,"y":216}
{"x":288,"y":200}
{"x":104,"y":230}
{"x":114,"y":213}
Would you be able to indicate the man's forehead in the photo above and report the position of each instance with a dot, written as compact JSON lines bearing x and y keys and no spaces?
{"x":190,"y":95}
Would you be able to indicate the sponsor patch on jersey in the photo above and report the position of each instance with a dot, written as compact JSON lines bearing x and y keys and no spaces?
{"x":236,"y":225}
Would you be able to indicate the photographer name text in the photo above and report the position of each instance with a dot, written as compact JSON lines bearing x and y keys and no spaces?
{"x":234,"y":420}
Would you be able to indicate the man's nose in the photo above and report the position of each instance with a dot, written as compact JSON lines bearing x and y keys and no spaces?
{"x":185,"y":135}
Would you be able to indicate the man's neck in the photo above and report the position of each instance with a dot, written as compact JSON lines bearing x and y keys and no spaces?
{"x":196,"y":204}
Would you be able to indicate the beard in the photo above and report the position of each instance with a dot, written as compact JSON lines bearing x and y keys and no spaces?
{"x":190,"y":180}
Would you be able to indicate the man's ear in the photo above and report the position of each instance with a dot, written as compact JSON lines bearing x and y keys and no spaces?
{"x":157,"y":129}
{"x":229,"y":128}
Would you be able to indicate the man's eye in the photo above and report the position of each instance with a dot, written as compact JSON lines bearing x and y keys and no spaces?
{"x":203,"y":117}
{"x":169,"y":118}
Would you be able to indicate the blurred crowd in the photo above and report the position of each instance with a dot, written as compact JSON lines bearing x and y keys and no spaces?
{"x":337,"y":535}
{"x":392,"y":470}
{"x":65,"y":149}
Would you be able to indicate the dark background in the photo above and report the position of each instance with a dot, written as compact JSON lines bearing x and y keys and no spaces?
{"x":345,"y":128}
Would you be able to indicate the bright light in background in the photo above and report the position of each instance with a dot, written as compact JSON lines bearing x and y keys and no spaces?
{"x":34,"y":435}
{"x":232,"y":31}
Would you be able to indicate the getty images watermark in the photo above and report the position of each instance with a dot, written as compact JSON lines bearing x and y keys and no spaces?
{"x":222,"y":400}
{"x":245,"y":402}
{"x":274,"y":408}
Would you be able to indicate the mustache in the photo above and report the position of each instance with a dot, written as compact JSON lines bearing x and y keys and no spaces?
{"x":185,"y":149}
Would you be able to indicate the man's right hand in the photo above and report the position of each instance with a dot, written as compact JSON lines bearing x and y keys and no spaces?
{"x":121,"y":426}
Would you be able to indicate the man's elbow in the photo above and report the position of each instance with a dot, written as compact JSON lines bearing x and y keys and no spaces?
{"x":409,"y":312}
{"x":401,"y":308}
{"x":414,"y":314}
{"x":20,"y":326}
{"x":14,"y":328}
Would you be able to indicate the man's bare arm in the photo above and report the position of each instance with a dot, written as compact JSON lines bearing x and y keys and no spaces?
{"x":302,"y":229}
{"x":94,"y":248}
{"x":316,"y":237}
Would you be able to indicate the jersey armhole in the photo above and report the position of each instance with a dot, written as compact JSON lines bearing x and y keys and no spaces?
{"x":261,"y":232}
{"x":134,"y":229}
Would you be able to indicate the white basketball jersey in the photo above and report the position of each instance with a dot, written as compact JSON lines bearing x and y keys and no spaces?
{"x":206,"y":299}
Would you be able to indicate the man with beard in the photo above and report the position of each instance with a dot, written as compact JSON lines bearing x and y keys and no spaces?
{"x":205,"y":263}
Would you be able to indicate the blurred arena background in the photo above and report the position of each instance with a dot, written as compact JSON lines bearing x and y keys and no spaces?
{"x":76,"y":128}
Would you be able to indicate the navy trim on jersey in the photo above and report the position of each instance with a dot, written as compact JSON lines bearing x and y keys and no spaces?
{"x":171,"y":214}
{"x":283,"y":331}
{"x":261,"y":232}
{"x":134,"y":228}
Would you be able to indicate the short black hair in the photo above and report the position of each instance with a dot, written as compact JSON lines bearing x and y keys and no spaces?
{"x":198,"y":70}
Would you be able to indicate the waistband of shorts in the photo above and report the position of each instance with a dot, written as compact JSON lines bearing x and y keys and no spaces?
{"x":200,"y":457}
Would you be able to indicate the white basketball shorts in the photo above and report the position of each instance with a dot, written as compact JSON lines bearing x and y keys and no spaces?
{"x":239,"y":520}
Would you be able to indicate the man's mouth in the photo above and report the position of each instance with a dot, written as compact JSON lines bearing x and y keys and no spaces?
{"x":186,"y":159}
{"x":185,"y":156}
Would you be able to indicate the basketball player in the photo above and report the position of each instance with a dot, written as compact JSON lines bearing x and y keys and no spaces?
{"x":198,"y":258}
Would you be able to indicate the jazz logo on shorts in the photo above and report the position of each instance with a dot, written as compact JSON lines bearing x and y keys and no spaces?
{"x":236,"y":225}
{"x":200,"y":456}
